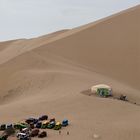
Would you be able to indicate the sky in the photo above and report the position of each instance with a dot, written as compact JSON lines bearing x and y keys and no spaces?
{"x":32,"y":18}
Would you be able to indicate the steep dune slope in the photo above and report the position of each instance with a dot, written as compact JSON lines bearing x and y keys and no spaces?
{"x":111,"y":47}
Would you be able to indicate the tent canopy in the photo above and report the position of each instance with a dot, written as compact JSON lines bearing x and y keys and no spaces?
{"x":102,"y":90}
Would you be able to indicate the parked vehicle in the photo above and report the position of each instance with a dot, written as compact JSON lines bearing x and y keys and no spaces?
{"x":42,"y":134}
{"x":26,"y":131}
{"x":52,"y":120}
{"x":34,"y":132}
{"x":45,"y":124}
{"x":57,"y":126}
{"x":31,"y":120}
{"x":65,"y":122}
{"x":23,"y":136}
{"x":9,"y":126}
{"x":43,"y":117}
{"x":20,"y":126}
{"x":51,"y":125}
{"x":2,"y":127}
{"x":38,"y":125}
{"x":23,"y":122}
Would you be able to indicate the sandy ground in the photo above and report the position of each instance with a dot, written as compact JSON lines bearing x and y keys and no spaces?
{"x":47,"y":75}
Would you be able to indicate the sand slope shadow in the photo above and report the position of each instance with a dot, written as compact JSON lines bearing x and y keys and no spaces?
{"x":116,"y":97}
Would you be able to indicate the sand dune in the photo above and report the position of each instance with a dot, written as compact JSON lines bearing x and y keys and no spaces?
{"x":110,"y":47}
{"x":11,"y":49}
{"x":48,"y":75}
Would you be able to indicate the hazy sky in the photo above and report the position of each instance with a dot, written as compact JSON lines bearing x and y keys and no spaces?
{"x":31,"y":18}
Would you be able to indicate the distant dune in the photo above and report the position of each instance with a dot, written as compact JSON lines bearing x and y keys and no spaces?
{"x":47,"y":75}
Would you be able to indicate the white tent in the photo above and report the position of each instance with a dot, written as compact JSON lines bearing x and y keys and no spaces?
{"x":94,"y":89}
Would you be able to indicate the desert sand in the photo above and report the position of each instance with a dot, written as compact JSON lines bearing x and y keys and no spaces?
{"x":48,"y":74}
